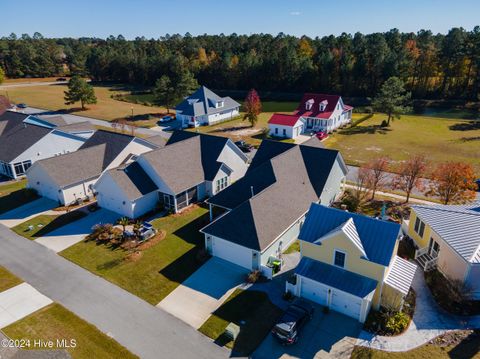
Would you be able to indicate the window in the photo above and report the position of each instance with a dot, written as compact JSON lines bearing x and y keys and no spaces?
{"x":18,"y":169}
{"x":419,"y":227}
{"x":339,"y":259}
{"x":284,"y":132}
{"x":222,"y":183}
{"x":276,"y":130}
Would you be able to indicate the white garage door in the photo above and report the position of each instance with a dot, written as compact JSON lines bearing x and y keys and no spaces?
{"x":340,"y":301}
{"x":232,"y":252}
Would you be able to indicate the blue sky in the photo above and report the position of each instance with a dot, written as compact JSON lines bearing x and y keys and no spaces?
{"x":150,"y":18}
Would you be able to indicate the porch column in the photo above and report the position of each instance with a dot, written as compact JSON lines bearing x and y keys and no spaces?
{"x":211,"y":212}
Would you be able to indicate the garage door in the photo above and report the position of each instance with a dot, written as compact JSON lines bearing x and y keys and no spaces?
{"x":340,"y":301}
{"x":232,"y":252}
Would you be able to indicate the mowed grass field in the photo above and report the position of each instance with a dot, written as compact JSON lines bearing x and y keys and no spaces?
{"x":439,"y":139}
{"x":51,"y":97}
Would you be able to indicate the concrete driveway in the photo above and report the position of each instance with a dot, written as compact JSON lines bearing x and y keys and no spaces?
{"x":20,"y":301}
{"x":27,"y":211}
{"x":331,"y":335}
{"x":204,"y":291}
{"x":74,"y":232}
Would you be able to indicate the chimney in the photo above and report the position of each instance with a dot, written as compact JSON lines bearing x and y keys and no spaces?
{"x":251,"y":190}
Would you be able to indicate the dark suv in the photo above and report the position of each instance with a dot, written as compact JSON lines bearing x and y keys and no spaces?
{"x":287,"y":328}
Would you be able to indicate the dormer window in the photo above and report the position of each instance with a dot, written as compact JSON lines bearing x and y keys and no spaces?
{"x":339,"y":258}
{"x":220,"y":104}
{"x":309,"y":104}
{"x":323,"y":105}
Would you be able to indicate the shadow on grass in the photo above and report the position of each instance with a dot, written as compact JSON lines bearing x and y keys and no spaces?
{"x":231,"y":129}
{"x":110,"y":264}
{"x":357,"y":130}
{"x":190,"y":231}
{"x":16,"y":199}
{"x":60,"y":221}
{"x":470,"y":139}
{"x":466,"y":126}
{"x":467,"y":348}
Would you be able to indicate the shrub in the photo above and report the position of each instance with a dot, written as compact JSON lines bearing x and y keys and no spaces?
{"x":253,"y":276}
{"x":351,"y":202}
{"x":384,"y":123}
{"x":397,"y":323}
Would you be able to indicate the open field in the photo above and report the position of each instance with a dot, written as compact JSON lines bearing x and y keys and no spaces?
{"x":51,"y":97}
{"x":31,"y":80}
{"x":55,"y":322}
{"x":251,"y":307}
{"x":8,"y":280}
{"x":439,"y":139}
{"x":160,"y":269}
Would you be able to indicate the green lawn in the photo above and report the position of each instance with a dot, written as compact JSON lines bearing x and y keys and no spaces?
{"x":45,"y":223}
{"x":55,"y":322}
{"x":14,"y":194}
{"x":294,"y":247}
{"x":8,"y":280}
{"x":160,"y":269}
{"x":439,"y":139}
{"x":251,"y":307}
{"x":469,"y":348}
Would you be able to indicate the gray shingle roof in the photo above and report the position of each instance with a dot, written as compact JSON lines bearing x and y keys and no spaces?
{"x":336,"y":277}
{"x":284,"y":188}
{"x":188,"y":159}
{"x":133,"y":181}
{"x":89,"y":161}
{"x":377,"y":237}
{"x":202,"y":102}
{"x":16,"y":137}
{"x":77,"y":127}
{"x":458,"y":225}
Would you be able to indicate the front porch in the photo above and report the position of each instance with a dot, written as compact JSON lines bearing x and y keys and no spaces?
{"x":427,"y":258}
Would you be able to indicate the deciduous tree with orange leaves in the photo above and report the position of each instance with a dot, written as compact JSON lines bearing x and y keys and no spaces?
{"x":409,"y":175}
{"x":453,"y":182}
{"x":378,"y":168}
{"x":252,"y":107}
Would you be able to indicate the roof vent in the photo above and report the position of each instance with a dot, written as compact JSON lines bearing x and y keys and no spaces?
{"x":251,"y":190}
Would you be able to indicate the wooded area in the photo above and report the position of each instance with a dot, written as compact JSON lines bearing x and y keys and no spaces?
{"x":432,"y":66}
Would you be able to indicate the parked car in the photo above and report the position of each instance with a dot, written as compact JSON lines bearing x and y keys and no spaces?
{"x":321,"y":135}
{"x":288,"y":326}
{"x":61,"y":79}
{"x":22,"y":105}
{"x":245,"y":147}
{"x":165,"y":119}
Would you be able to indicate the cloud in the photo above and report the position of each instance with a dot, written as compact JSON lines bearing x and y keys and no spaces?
{"x":295,"y":13}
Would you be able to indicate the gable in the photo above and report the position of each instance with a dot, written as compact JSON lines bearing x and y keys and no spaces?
{"x":341,"y":240}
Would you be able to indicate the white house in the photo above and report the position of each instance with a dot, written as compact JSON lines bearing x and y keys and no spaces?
{"x":316,"y":112}
{"x":190,"y":168}
{"x":266,"y":208}
{"x":70,"y":177}
{"x":26,"y":139}
{"x":204,"y":107}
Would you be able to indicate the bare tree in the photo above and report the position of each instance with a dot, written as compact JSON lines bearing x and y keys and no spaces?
{"x":378,"y":174}
{"x":409,"y":175}
{"x":132,"y":128}
{"x":361,"y":188}
{"x":122,"y":123}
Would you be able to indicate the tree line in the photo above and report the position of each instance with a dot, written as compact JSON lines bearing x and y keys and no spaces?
{"x":435,"y":66}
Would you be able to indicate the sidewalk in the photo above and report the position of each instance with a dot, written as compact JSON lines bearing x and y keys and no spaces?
{"x":398,"y":196}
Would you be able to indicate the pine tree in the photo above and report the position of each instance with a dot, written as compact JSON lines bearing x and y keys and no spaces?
{"x":79,"y":90}
{"x":392,"y":99}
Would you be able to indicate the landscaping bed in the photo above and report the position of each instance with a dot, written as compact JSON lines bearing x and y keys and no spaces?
{"x":463,"y":344}
{"x":448,"y":295}
{"x":8,"y":280}
{"x":389,"y":323}
{"x":55,"y":322}
{"x":44,"y":224}
{"x":160,"y":268}
{"x":252,"y":311}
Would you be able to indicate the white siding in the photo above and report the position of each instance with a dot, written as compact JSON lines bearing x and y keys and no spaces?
{"x":229,"y":251}
{"x":234,"y":158}
{"x":39,"y":180}
{"x":111,"y":197}
{"x":333,"y":185}
{"x":282,"y":242}
{"x":219,"y":117}
{"x":145,"y":204}
{"x":81,"y":190}
{"x":290,"y":132}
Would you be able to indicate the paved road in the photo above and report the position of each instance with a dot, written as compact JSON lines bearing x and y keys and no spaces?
{"x":352,"y":177}
{"x":75,"y":119}
{"x":30,"y":84}
{"x":145,"y":330}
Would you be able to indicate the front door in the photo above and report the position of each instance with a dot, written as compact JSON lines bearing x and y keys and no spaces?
{"x":433,"y":247}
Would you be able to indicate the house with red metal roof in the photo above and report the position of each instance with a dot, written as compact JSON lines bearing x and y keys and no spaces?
{"x":316,"y":112}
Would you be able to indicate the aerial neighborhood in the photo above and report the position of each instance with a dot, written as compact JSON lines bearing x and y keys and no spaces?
{"x":260,"y":196}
